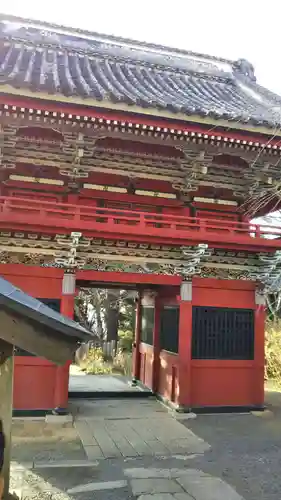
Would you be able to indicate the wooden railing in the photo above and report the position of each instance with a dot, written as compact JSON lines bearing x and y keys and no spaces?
{"x":18,"y":213}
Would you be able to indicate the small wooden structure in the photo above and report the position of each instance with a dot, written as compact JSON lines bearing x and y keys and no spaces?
{"x":29,"y":324}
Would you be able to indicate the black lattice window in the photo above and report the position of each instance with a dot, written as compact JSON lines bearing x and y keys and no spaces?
{"x":169,"y":329}
{"x":147,"y":325}
{"x":53,"y":304}
{"x":222,"y":333}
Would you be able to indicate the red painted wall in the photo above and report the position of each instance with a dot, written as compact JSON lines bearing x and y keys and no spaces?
{"x":40,"y":282}
{"x":34,"y":383}
{"x":223,"y":382}
{"x":34,"y":378}
{"x":168,"y":386}
{"x":212,"y":382}
{"x":146,"y":362}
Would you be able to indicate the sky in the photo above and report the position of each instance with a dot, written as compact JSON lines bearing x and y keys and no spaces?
{"x":246,"y":29}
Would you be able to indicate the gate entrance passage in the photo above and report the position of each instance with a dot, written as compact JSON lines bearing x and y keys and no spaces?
{"x":118,"y":169}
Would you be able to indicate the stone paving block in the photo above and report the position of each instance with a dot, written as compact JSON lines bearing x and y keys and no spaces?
{"x":65,"y":463}
{"x":132,"y":428}
{"x":126,"y":449}
{"x":143,"y":429}
{"x":208,"y":488}
{"x":59,"y":419}
{"x":153,"y":486}
{"x":158,"y":448}
{"x":103,"y":439}
{"x":98,"y":486}
{"x":184,"y":496}
{"x":187,"y":445}
{"x":160,"y":496}
{"x":147,"y":473}
{"x":85,"y":433}
{"x":134,"y":439}
{"x":94,"y":452}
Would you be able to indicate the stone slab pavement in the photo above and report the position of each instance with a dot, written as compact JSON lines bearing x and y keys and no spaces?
{"x":79,"y":381}
{"x":135,"y":450}
{"x":119,"y":480}
{"x":132,"y":428}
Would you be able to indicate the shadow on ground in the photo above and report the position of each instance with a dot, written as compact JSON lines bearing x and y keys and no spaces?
{"x":245,"y":449}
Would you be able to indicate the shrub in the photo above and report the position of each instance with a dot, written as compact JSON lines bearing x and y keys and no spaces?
{"x":95,"y":363}
{"x":273,"y":349}
{"x":125,"y":342}
{"x":122,"y":362}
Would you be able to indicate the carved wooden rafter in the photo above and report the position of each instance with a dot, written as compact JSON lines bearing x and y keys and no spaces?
{"x":193,"y":166}
{"x":90,"y":128}
{"x":8,"y":141}
{"x":74,"y":158}
{"x":73,"y":251}
{"x":270,"y":271}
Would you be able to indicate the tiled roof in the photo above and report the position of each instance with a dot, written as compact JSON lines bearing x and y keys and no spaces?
{"x":56,"y":60}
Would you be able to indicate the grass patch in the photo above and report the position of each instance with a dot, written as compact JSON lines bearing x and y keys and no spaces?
{"x":273,"y":351}
{"x":96,"y":364}
{"x":123,"y":363}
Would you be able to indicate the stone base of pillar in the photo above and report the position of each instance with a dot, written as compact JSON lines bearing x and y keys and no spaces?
{"x":134,"y":382}
{"x":60,"y":412}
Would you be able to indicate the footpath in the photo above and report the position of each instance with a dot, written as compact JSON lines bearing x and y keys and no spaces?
{"x":129,"y":450}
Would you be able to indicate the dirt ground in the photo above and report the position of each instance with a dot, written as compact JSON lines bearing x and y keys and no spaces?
{"x":40,"y":441}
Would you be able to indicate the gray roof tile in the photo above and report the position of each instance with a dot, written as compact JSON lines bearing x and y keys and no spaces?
{"x":45,"y":58}
{"x":16,"y":300}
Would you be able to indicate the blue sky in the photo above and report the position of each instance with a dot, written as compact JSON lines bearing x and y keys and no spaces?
{"x":244,"y":28}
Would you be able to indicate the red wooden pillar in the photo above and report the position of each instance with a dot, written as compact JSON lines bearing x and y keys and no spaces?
{"x":156,"y":344}
{"x":185,"y":338}
{"x":62,"y":373}
{"x":259,"y":360}
{"x":136,"y":347}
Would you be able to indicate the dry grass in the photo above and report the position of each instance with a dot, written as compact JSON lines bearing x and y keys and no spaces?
{"x":273,"y":351}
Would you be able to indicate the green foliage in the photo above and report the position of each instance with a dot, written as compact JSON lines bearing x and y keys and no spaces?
{"x":95,"y":363}
{"x":273,"y":349}
{"x":125,"y":340}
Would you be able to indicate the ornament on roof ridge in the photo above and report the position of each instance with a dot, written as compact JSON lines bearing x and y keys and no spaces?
{"x":244,"y":68}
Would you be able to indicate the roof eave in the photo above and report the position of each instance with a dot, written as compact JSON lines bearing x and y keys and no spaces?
{"x":155,"y":113}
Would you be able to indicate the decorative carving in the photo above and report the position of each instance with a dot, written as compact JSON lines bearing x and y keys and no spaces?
{"x":270,"y":271}
{"x":76,"y":155}
{"x":193,"y":257}
{"x":194,"y":166}
{"x":223,"y":274}
{"x":244,"y":68}
{"x":73,"y":260}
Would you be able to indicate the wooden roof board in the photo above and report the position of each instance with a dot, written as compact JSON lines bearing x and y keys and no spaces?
{"x":31,"y":325}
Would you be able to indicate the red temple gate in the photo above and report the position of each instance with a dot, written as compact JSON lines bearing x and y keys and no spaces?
{"x":119,"y":165}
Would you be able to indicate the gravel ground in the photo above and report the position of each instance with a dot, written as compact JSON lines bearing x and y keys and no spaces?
{"x":245,"y":449}
{"x":53,"y":483}
{"x":39,"y":441}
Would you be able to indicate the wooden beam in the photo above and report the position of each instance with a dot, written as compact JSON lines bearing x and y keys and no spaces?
{"x":66,"y":127}
{"x":6,"y":402}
